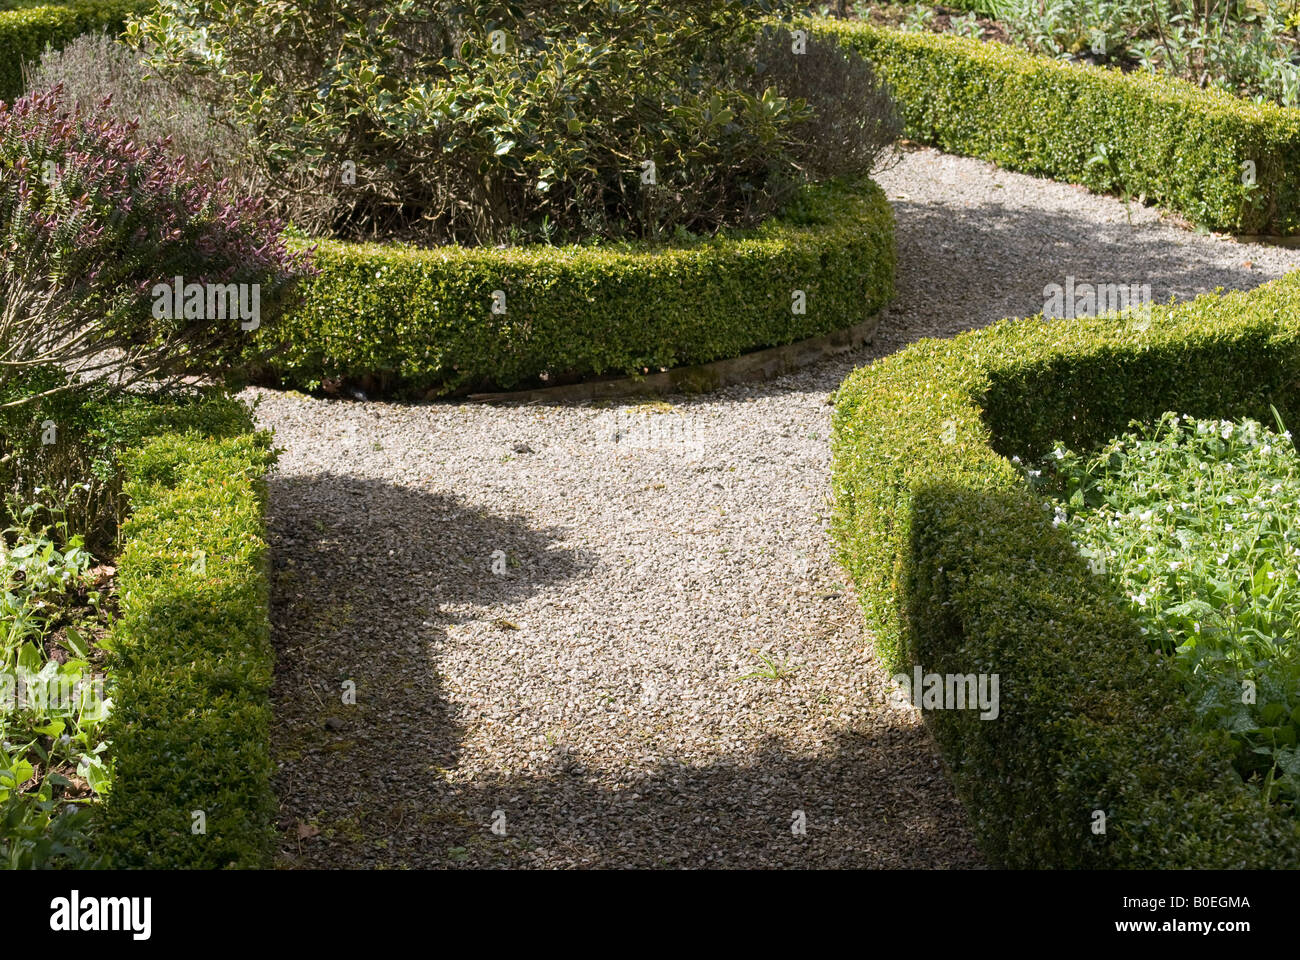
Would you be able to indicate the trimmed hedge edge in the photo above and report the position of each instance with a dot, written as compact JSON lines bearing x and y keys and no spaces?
{"x":24,"y":34}
{"x":192,"y":663}
{"x":1181,"y":147}
{"x":421,"y":320}
{"x":958,"y":568}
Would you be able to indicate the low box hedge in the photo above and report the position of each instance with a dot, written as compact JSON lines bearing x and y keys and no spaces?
{"x":422,"y":319}
{"x":959,"y":568}
{"x":25,"y":32}
{"x":192,"y":659}
{"x":1178,"y":145}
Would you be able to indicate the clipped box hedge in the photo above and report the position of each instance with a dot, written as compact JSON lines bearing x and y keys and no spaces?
{"x":422,"y":319}
{"x":24,"y":33}
{"x":959,"y":569}
{"x":1180,"y":146}
{"x":192,"y":659}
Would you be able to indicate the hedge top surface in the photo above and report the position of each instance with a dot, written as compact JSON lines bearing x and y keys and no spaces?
{"x":1222,"y":162}
{"x":820,"y":205}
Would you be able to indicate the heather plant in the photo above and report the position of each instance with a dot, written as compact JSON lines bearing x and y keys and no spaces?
{"x":450,"y":122}
{"x":96,"y":67}
{"x":1197,"y":524}
{"x":95,"y":229}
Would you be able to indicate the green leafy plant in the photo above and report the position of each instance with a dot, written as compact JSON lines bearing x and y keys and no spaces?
{"x":1197,"y":523}
{"x":52,"y":710}
{"x":465,"y":122}
{"x":770,"y":669}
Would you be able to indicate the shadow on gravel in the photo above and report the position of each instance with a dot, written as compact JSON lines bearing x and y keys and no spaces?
{"x":868,"y":802}
{"x":359,"y":571}
{"x":968,"y":266}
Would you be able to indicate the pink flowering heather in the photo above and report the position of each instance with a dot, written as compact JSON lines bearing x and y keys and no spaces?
{"x":95,"y":230}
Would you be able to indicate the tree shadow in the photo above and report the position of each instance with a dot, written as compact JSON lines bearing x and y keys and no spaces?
{"x":367,"y":579}
{"x":362,"y":572}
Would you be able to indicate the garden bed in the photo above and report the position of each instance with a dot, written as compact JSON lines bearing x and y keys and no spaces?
{"x":960,"y":569}
{"x":1196,"y":522}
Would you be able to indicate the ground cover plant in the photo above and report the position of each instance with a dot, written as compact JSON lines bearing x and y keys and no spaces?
{"x":1250,"y":49}
{"x":54,"y":620}
{"x":1197,"y":524}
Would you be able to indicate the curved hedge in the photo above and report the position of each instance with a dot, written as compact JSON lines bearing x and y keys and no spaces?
{"x":192,"y":657}
{"x":24,"y":33}
{"x":421,"y":319}
{"x":959,"y":568}
{"x":1180,"y":146}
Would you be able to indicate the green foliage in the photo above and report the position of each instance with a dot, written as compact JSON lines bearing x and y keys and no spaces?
{"x":960,"y":569}
{"x":1229,"y":45}
{"x":192,"y":659}
{"x":52,"y":710}
{"x":1197,"y":523}
{"x":1174,"y":144}
{"x":422,"y":319}
{"x":90,"y":428}
{"x":28,"y":30}
{"x":465,"y":121}
{"x":188,"y":658}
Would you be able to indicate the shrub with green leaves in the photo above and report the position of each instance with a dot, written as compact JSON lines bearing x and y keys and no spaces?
{"x":959,"y":568}
{"x":192,"y":659}
{"x":427,"y":320}
{"x":1197,"y":524}
{"x":1221,"y":162}
{"x":185,"y":725}
{"x":70,"y":443}
{"x":441,"y":121}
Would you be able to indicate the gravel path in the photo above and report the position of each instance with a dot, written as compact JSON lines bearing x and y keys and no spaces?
{"x":555,"y":617}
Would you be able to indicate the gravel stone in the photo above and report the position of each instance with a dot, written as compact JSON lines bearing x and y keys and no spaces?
{"x":535,"y":636}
